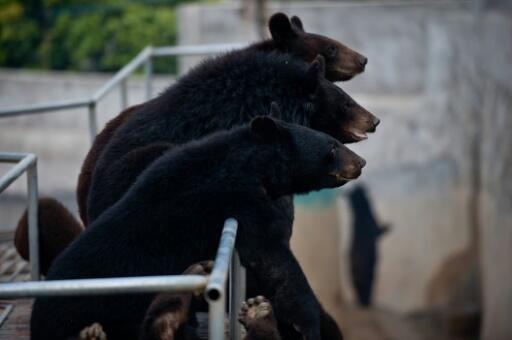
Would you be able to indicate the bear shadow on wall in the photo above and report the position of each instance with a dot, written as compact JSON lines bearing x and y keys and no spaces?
{"x":363,"y":250}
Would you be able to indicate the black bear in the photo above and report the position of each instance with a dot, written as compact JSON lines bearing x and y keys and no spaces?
{"x":57,"y":229}
{"x":180,"y":115}
{"x":288,"y":36}
{"x":363,"y":253}
{"x":231,"y":93}
{"x":172,"y":216}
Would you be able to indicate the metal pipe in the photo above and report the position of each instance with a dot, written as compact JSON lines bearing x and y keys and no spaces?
{"x":195,"y":49}
{"x":11,"y":157}
{"x":122,"y":285}
{"x":217,"y":282}
{"x":16,"y":171}
{"x":216,"y":319}
{"x":123,"y":95}
{"x":148,"y":77}
{"x":215,"y":290}
{"x":33,"y":229}
{"x":236,"y":295}
{"x":123,"y":73}
{"x":5,"y":313}
{"x":55,"y":106}
{"x":93,"y":122}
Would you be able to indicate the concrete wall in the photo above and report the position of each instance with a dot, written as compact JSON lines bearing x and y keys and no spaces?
{"x":59,"y":139}
{"x":438,"y":168}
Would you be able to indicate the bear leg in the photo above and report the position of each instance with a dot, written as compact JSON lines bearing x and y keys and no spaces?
{"x":169,"y":312}
{"x":258,"y":319}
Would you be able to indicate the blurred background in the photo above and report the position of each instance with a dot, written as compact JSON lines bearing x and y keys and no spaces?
{"x":420,"y":247}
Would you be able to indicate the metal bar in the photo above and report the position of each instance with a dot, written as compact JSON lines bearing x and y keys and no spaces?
{"x":20,"y":266}
{"x":93,"y":122}
{"x":16,"y":171}
{"x":216,"y":319}
{"x":236,"y":295}
{"x":11,"y":157}
{"x":122,"y":285}
{"x":215,"y":290}
{"x":217,"y":282}
{"x":5,"y":313}
{"x":54,"y":106}
{"x":6,"y":266}
{"x":195,"y":49}
{"x":123,"y":73}
{"x":33,"y":230}
{"x":123,"y":95}
{"x":148,"y":77}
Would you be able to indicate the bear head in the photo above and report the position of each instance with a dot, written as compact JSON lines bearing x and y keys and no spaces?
{"x":342,"y":63}
{"x":336,"y":113}
{"x":310,"y":160}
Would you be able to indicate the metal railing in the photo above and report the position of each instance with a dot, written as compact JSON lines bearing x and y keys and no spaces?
{"x":145,"y":57}
{"x":226,"y":262}
{"x":214,"y":286}
{"x":25,"y":162}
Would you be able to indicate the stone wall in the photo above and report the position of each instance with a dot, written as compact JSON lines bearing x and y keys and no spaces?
{"x":439,"y":167}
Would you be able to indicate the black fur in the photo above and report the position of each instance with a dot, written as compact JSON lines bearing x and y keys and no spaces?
{"x":363,"y":251}
{"x":221,"y":93}
{"x":173,"y":215}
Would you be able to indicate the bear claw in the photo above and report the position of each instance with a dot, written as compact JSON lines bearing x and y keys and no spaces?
{"x":93,"y":332}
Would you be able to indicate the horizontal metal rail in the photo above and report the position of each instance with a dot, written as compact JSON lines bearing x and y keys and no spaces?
{"x":143,"y":284}
{"x":44,"y":107}
{"x":146,"y":54}
{"x":195,"y":49}
{"x":123,"y":73}
{"x":28,"y":163}
{"x":215,"y":285}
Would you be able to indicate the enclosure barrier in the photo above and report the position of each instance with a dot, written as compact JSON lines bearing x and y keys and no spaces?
{"x":226,"y":260}
{"x":145,"y":57}
{"x":25,"y":162}
{"x":214,"y":286}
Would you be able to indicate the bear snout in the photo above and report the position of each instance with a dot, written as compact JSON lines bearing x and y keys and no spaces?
{"x":362,"y":61}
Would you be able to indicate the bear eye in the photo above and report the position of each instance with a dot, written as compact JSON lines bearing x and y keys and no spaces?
{"x":332,"y":152}
{"x":332,"y":50}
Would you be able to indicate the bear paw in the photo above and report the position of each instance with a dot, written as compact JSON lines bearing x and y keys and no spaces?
{"x":200,"y":268}
{"x":256,"y":312}
{"x":93,"y":332}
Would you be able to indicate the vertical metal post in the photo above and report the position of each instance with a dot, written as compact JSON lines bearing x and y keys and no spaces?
{"x":236,"y":296}
{"x":33,"y":230}
{"x":123,"y":94}
{"x":216,"y":321}
{"x":148,"y":75}
{"x":93,"y":123}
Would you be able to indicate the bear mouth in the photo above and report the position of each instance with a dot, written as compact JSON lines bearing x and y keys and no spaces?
{"x":347,"y":74}
{"x":358,"y":134}
{"x":340,"y":178}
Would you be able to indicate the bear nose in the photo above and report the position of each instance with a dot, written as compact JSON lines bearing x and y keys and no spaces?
{"x":375,"y":121}
{"x":363,"y":61}
{"x":362,"y":163}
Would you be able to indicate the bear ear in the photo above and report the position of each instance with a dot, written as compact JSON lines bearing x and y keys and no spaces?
{"x":315,"y":71}
{"x":297,"y":23}
{"x":275,"y":111}
{"x":281,"y":28}
{"x":264,"y":128}
{"x":383,"y":229}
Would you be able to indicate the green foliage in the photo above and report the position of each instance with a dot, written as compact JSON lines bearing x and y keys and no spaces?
{"x":18,"y":37}
{"x":84,"y":36}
